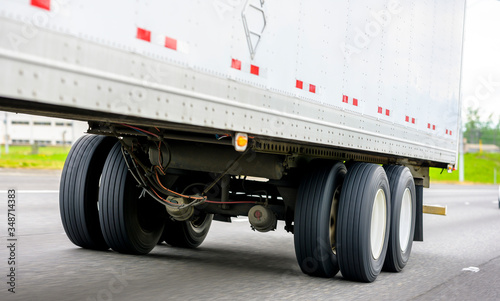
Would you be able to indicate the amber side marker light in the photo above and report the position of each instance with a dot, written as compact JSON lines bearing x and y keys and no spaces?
{"x":240,"y":142}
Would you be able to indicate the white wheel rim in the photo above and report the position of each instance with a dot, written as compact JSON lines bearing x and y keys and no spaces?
{"x":378,"y":224}
{"x":405,"y":220}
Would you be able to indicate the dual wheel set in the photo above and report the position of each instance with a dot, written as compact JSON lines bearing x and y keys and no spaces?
{"x":102,"y":207}
{"x":358,"y":221}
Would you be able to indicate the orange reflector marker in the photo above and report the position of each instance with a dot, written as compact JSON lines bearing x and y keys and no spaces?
{"x":240,"y":142}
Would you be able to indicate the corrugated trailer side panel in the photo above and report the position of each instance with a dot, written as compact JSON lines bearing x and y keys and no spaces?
{"x":378,"y":76}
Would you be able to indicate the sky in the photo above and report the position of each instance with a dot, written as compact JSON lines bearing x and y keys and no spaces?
{"x":481,"y":58}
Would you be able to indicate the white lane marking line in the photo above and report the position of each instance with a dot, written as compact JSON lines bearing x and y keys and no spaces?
{"x":32,"y":191}
{"x":467,"y":203}
{"x":471,"y":269}
{"x":239,"y":220}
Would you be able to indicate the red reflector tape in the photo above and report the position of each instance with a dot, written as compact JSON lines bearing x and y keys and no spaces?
{"x":254,"y":69}
{"x":236,"y":64}
{"x":45,"y":4}
{"x":407,"y":119}
{"x":380,"y":110}
{"x":143,"y":34}
{"x":247,"y":68}
{"x":171,"y":43}
{"x":159,"y":39}
{"x":345,"y":99}
{"x":299,"y":84}
{"x":433,"y":127}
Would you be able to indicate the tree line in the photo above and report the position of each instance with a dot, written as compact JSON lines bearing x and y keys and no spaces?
{"x":477,"y":130}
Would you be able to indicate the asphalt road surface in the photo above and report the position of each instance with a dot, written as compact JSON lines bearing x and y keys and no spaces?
{"x":459,"y":259}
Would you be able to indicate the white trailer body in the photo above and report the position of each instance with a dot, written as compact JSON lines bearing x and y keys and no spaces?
{"x":384,"y":77}
{"x":367,"y":81}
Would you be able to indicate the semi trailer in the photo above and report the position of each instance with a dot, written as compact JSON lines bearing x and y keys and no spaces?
{"x":324,"y":115}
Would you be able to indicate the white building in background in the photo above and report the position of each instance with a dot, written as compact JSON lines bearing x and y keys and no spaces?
{"x":22,"y":129}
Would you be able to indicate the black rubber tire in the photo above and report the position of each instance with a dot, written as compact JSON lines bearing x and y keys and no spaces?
{"x":187,"y":234}
{"x":313,"y":245}
{"x":354,"y":248}
{"x":400,"y":179}
{"x":130,"y":224}
{"x":79,"y":189}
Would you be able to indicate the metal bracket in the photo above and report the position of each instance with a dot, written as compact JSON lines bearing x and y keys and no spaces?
{"x":420,"y":175}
